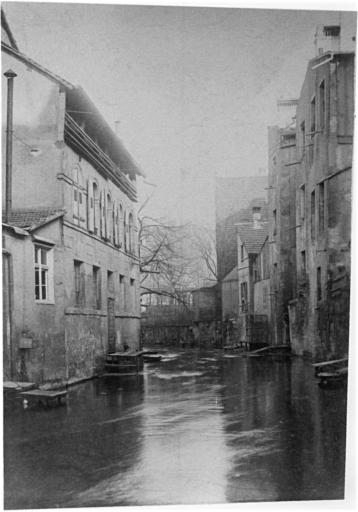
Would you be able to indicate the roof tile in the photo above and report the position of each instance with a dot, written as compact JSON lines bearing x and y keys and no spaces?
{"x":31,"y":218}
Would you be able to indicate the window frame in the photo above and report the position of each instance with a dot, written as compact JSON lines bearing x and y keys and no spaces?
{"x":49,"y":273}
{"x":79,"y":293}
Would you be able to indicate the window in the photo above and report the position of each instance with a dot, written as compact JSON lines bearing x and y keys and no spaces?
{"x":79,"y":283}
{"x":109,"y":218}
{"x":319,"y":284}
{"x":313,"y":215}
{"x":121,"y":226}
{"x":79,"y":209}
{"x":110,"y":283}
{"x":332,"y":31}
{"x":303,"y":134}
{"x":96,"y":209}
{"x":121,"y":291}
{"x":313,"y":115}
{"x":274,"y":223}
{"x":302,"y":201}
{"x":130,"y":234}
{"x":322,"y":105}
{"x":244,"y":297}
{"x":303,"y":261}
{"x":96,"y":287}
{"x":133,"y":293}
{"x":321,"y":207}
{"x":242,"y":252}
{"x":43,"y":274}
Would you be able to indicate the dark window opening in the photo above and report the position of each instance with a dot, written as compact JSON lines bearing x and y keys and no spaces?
{"x":321,"y":207}
{"x":313,"y":115}
{"x":322,"y":105}
{"x":79,"y":291}
{"x":313,"y":215}
{"x":319,"y":284}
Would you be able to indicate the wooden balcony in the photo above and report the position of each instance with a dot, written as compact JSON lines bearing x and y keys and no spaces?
{"x":79,"y":140}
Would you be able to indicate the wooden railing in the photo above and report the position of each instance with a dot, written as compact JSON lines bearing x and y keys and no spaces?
{"x":76,"y":137}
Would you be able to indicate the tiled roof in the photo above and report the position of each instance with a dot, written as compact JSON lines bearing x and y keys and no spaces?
{"x":252,"y":239}
{"x":231,"y":276}
{"x":226,"y":234}
{"x":233,"y":194}
{"x":31,"y":218}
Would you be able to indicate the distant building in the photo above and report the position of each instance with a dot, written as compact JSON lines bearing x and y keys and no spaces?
{"x":234,"y":200}
{"x":262,"y":298}
{"x":70,"y":248}
{"x":251,"y":237}
{"x":310,"y":173}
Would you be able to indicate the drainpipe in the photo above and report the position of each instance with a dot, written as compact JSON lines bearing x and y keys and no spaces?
{"x":9,"y":270}
{"x":10,"y":75}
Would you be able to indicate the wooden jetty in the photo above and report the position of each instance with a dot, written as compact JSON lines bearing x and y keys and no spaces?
{"x":332,"y":373}
{"x":330,"y":365}
{"x":123,"y":364}
{"x":272,"y":352}
{"x":150,"y":358}
{"x":44,"y":396}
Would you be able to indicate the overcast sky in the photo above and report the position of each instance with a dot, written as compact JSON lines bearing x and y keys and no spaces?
{"x":194,"y":89}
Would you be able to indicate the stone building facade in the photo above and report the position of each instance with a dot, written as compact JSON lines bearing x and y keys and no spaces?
{"x":74,"y":294}
{"x":319,"y":316}
{"x":310,"y":173}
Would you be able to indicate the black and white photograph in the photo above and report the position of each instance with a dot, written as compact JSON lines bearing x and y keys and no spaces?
{"x":177,"y":292}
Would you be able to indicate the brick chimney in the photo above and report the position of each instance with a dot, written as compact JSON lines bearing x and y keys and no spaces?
{"x":256,"y":216}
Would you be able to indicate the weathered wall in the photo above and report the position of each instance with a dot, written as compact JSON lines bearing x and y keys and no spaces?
{"x":43,"y":323}
{"x":230,"y":295}
{"x":37,"y":156}
{"x":282,"y":222}
{"x":321,"y":324}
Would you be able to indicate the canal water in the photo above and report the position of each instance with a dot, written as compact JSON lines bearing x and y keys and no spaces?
{"x":198,"y":427}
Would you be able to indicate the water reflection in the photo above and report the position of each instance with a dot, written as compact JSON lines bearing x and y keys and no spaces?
{"x":198,"y":427}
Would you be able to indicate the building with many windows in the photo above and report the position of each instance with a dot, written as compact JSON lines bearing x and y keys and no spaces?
{"x":70,"y":244}
{"x":310,"y":178}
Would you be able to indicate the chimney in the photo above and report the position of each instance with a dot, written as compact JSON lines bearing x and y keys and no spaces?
{"x":256,"y":215}
{"x":328,"y":39}
{"x":286,"y":112}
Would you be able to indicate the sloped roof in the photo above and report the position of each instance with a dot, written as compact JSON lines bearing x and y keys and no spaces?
{"x":226,"y":234}
{"x":5,"y":25}
{"x":234,"y":194}
{"x":75,"y":95}
{"x":32,"y":218}
{"x":253,"y":239}
{"x":232,"y":276}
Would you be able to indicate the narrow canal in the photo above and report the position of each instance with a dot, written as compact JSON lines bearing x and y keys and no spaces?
{"x":198,"y":427}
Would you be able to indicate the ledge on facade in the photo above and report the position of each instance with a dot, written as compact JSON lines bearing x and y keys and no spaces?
{"x":85,"y":311}
{"x":127,"y":315}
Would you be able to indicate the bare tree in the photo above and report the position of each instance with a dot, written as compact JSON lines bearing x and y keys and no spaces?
{"x":166,"y":266}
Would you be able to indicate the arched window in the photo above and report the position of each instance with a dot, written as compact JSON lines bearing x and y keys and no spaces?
{"x":93,"y":207}
{"x":109,"y":230}
{"x":130,"y":234}
{"x":78,"y":197}
{"x":96,"y":208}
{"x":125,"y":233}
{"x":121,"y":227}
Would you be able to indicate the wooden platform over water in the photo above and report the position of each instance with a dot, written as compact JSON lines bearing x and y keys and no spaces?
{"x":44,"y":396}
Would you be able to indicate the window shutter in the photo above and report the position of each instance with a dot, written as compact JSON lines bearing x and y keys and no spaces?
{"x":90,"y":206}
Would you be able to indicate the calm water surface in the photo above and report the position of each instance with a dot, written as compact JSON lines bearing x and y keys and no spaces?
{"x":198,"y":427}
